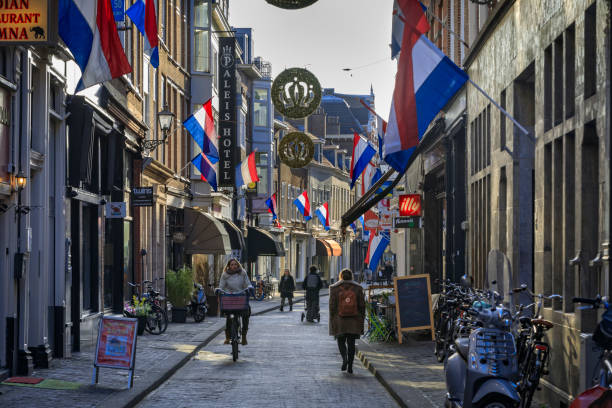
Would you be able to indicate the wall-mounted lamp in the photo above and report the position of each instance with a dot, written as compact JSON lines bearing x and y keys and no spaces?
{"x":165,"y":119}
{"x":21,"y":180}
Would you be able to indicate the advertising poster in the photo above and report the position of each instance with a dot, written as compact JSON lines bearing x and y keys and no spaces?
{"x":116,"y":343}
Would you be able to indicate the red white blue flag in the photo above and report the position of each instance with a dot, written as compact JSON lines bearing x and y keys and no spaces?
{"x":421,"y":89}
{"x":88,"y":28}
{"x":376,"y":248}
{"x":246,"y":172}
{"x":206,"y":169}
{"x":201,"y":126}
{"x":362,"y":154}
{"x":303,"y":204}
{"x":323,"y":215}
{"x":370,"y":176}
{"x":271,"y":203}
{"x":142,"y":14}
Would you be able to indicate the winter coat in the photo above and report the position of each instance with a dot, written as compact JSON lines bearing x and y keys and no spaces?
{"x":286,"y":286}
{"x":319,"y":284}
{"x":346,"y":325}
{"x":234,"y":282}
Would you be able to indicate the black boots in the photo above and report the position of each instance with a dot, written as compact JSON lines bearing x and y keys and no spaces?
{"x":344,"y":364}
{"x":350,"y":368}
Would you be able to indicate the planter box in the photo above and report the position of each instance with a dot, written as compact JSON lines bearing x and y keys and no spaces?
{"x":179,"y":315}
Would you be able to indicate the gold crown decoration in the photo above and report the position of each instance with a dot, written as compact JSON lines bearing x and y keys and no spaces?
{"x":296,"y":93}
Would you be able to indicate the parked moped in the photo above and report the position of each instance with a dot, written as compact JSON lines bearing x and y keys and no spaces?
{"x":197,"y":307}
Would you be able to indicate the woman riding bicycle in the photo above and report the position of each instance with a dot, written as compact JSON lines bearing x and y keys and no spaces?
{"x":233,"y":280}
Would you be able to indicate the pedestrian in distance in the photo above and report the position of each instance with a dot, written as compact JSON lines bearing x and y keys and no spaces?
{"x":388,"y":271}
{"x":346,"y":316}
{"x":368,"y":274}
{"x":233,"y":280}
{"x":286,"y":288}
{"x":312,"y":285}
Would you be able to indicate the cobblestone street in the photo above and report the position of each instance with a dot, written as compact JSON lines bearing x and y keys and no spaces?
{"x":287,"y":363}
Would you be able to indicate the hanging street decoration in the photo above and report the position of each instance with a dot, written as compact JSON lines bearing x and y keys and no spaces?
{"x":291,"y":4}
{"x":296,"y":150}
{"x":296,"y":93}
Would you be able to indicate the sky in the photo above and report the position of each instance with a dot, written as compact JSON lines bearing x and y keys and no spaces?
{"x":325,"y":38}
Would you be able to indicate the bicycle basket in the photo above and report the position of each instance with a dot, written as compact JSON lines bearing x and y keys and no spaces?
{"x":234,"y":303}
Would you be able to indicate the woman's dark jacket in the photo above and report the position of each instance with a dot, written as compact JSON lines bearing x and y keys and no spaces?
{"x":286,"y":286}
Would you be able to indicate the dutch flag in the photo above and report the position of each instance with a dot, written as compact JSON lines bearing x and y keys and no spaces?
{"x":376,"y":248}
{"x":143,"y":16}
{"x":303,"y":204}
{"x":206,"y":169}
{"x":88,"y":28}
{"x":362,"y":154}
{"x":323,"y":214}
{"x":271,"y":203}
{"x":246,"y":172}
{"x":201,"y":126}
{"x":421,"y":89}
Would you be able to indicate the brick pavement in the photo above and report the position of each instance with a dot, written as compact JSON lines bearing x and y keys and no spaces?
{"x":409,"y":371}
{"x":286,"y":364}
{"x":157,"y":357}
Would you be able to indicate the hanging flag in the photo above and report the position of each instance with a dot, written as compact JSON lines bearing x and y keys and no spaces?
{"x":271,"y":203}
{"x":421,"y":89}
{"x":143,"y":16}
{"x":376,"y":248}
{"x":201,"y":127}
{"x":88,"y":28}
{"x":354,"y":227}
{"x":323,"y":214}
{"x":381,"y":128}
{"x":207,"y":170}
{"x":303,"y":204}
{"x":370,"y":176}
{"x":246,"y":172}
{"x":362,"y":154}
{"x":397,"y":29}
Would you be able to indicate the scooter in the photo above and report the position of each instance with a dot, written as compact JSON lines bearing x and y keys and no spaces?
{"x":197,"y":307}
{"x":480,"y":372}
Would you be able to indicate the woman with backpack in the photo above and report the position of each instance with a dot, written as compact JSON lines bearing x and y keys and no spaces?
{"x":346,"y":316}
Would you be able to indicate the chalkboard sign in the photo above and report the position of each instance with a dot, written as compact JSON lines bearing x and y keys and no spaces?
{"x":413,"y":304}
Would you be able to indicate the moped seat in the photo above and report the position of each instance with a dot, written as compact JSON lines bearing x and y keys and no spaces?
{"x":544,"y":323}
{"x":463,"y":345}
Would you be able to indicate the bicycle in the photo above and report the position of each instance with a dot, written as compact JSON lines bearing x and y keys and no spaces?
{"x":264,"y":289}
{"x":233,"y":305}
{"x":157,"y":318}
{"x":533,"y":351}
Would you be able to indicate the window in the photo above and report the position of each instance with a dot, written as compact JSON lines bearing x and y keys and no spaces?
{"x":242,"y":130}
{"x":162,"y":19}
{"x":201,"y":35}
{"x":260,"y":106}
{"x":261,"y":161}
{"x":590,"y":51}
{"x":146,"y":105}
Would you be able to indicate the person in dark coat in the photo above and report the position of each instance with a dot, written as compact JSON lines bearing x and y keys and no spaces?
{"x":388,"y":272}
{"x":312,"y":285}
{"x":286,"y":287}
{"x":346,"y":316}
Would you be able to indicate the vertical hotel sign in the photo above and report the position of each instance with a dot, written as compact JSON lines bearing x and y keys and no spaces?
{"x":227,"y":111}
{"x":28,"y":22}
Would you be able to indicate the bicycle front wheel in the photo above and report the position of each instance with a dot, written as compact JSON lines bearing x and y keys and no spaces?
{"x":235,"y":339}
{"x":157,"y":320}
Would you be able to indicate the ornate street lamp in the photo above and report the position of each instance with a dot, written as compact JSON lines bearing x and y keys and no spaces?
{"x":21,"y":180}
{"x":291,"y":4}
{"x":165,"y":119}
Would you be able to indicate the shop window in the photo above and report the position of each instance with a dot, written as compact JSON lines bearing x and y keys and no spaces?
{"x":570,"y":71}
{"x":548,"y":74}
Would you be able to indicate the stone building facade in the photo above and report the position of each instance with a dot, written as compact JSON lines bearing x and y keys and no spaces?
{"x":543,"y":198}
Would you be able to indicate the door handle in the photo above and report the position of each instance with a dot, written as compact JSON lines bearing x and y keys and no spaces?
{"x":596,"y":261}
{"x":576,"y":260}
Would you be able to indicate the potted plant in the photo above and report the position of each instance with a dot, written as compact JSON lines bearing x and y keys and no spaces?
{"x":179,"y":287}
{"x":140,"y":310}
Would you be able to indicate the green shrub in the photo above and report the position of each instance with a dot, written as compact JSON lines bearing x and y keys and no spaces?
{"x":179,"y":285}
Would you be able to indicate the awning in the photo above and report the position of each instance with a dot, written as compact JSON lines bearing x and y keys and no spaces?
{"x":262,"y":243}
{"x":235,"y":234}
{"x":323,"y":248}
{"x":336,"y":249}
{"x":204,"y":234}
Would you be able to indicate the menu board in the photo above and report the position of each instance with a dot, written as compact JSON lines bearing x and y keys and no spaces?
{"x":413,"y":304}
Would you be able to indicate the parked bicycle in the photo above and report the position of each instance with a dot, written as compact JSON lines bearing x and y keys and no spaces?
{"x":233,"y":305}
{"x":264,"y":289}
{"x":157,"y":317}
{"x":198,"y":306}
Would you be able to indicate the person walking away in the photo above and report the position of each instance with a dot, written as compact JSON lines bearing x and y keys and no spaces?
{"x":346,"y":316}
{"x":388,"y":272}
{"x":286,"y":287}
{"x":368,"y":274}
{"x":312,"y":285}
{"x":234,"y":279}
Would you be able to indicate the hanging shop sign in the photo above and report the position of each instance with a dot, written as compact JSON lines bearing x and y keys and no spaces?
{"x":116,"y":346}
{"x":115,"y":210}
{"x":291,"y":4}
{"x":410,"y":205}
{"x":296,"y":150}
{"x":31,"y":22}
{"x":296,"y":93}
{"x":142,"y":197}
{"x":370,"y":221}
{"x":227,"y":111}
{"x":407,"y":222}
